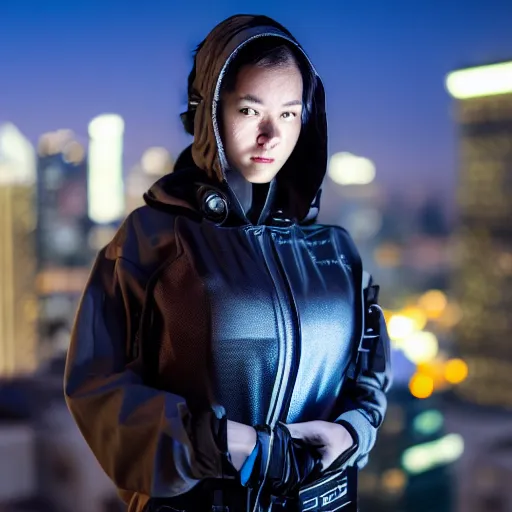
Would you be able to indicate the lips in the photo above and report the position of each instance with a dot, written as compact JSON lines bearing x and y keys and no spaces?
{"x":262,"y":160}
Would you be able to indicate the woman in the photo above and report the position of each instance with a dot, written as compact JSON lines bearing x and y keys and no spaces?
{"x":214,"y":359}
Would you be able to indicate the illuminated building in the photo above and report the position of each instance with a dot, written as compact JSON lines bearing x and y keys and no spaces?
{"x":64,"y":255}
{"x":353,"y":199}
{"x":483,"y":277}
{"x":18,"y":306}
{"x":105,"y":175}
{"x":62,"y":201}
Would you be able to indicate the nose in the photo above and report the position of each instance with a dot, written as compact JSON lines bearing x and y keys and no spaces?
{"x":269,"y":136}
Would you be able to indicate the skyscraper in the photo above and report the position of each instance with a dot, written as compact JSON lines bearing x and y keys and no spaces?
{"x":62,"y":202}
{"x":483,"y":278}
{"x":18,"y":306}
{"x":63,"y":251}
{"x":105,"y":176}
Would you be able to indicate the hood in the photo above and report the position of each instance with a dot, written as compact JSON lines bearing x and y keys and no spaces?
{"x":297,"y":185}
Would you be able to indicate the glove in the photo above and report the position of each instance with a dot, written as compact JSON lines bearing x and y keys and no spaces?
{"x":282,"y":464}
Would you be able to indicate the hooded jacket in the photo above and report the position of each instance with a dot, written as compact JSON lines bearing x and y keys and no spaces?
{"x":196,"y":306}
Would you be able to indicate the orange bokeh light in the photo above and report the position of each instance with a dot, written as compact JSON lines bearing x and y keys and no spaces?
{"x":421,"y":386}
{"x":455,"y":371}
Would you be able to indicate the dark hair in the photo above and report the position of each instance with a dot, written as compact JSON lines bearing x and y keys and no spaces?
{"x":262,"y":53}
{"x":272,"y":52}
{"x":268,"y":52}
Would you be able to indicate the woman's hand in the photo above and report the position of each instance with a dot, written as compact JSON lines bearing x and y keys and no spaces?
{"x":241,"y":442}
{"x":330,"y":439}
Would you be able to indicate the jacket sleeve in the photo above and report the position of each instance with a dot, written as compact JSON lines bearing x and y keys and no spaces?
{"x":144,"y":439}
{"x":363,"y":402}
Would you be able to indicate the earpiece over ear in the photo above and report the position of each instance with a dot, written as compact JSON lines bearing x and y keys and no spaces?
{"x":194,"y":98}
{"x":187,"y":119}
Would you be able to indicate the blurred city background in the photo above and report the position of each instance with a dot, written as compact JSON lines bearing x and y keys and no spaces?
{"x":420,"y":172}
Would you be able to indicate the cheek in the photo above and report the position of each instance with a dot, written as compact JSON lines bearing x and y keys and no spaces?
{"x":292,"y":137}
{"x":238,"y":135}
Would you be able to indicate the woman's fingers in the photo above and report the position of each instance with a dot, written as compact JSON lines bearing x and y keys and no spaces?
{"x":310,"y":432}
{"x":295,"y":430}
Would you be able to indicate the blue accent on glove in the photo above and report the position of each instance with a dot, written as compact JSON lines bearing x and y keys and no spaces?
{"x":248,"y":465}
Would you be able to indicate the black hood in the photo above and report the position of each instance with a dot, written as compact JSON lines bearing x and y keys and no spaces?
{"x":297,"y":185}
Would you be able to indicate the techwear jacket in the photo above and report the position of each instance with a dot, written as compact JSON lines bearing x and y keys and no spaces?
{"x":194,"y":307}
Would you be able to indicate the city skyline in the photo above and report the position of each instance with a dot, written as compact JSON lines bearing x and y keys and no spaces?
{"x":445,"y":441}
{"x":75,"y":61}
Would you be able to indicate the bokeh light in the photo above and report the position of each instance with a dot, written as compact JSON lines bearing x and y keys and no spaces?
{"x":428,"y":422}
{"x":73,"y":152}
{"x":156,"y":161}
{"x":394,"y":480}
{"x":421,"y":386}
{"x":400,"y":327}
{"x":388,"y":255}
{"x":417,"y":315}
{"x":456,"y":370}
{"x":480,"y":81}
{"x":348,"y":169}
{"x":424,"y":457}
{"x":433,"y":303}
{"x":420,"y":346}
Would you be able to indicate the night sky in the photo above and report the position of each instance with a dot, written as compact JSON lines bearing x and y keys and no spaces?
{"x":383,"y":64}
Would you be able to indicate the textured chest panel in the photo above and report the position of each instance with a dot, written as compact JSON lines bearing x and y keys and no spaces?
{"x":319,"y":271}
{"x":242,"y":317}
{"x":210,"y":328}
{"x":219,"y":316}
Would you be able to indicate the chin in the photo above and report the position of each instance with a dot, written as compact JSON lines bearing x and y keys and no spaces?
{"x":259,"y":174}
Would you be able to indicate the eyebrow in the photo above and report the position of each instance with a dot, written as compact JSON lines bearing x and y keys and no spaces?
{"x":254,"y":99}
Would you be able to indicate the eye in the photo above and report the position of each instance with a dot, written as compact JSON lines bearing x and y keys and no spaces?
{"x":288,"y":115}
{"x":248,"y":111}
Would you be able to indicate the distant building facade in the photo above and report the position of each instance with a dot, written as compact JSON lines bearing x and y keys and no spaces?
{"x":483,"y":276}
{"x":18,"y":306}
{"x":63,"y":250}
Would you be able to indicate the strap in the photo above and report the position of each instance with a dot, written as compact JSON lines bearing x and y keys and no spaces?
{"x":364,"y":359}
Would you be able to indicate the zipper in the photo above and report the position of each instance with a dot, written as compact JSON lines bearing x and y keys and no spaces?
{"x":288,"y":356}
{"x":286,"y":337}
{"x":295,"y":345}
{"x":286,"y":334}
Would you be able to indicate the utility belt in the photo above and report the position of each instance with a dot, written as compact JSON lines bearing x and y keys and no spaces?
{"x":333,"y":492}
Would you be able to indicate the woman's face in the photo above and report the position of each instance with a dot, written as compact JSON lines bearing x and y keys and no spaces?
{"x":262,"y":120}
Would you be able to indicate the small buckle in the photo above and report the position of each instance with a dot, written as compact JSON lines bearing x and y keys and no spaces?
{"x":279,"y":219}
{"x":279,"y":500}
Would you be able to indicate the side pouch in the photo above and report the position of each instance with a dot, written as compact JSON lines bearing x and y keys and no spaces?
{"x":373,"y":352}
{"x":334,"y":491}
